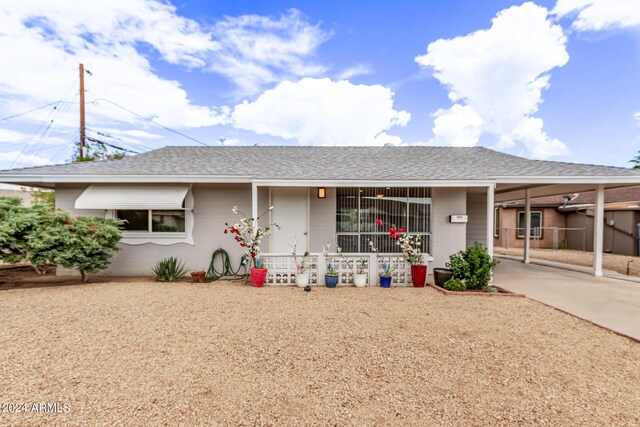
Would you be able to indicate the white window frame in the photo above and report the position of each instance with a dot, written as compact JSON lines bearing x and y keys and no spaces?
{"x":496,"y":222}
{"x":158,"y":237}
{"x":520,"y":235}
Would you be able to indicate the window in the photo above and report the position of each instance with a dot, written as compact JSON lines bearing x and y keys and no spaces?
{"x":536,"y":224}
{"x":358,"y":208}
{"x":496,"y":222}
{"x":153,"y":221}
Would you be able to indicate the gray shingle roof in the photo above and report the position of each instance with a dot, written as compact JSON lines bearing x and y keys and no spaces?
{"x":343,"y":163}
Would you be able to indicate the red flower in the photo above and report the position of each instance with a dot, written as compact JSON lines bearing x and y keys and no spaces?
{"x":225,"y":231}
{"x":243,"y":245}
{"x":402,"y":230}
{"x":378,"y":222}
{"x":392,"y":230}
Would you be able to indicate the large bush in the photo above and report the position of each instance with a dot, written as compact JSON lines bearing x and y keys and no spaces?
{"x":40,"y":235}
{"x":473,"y":265}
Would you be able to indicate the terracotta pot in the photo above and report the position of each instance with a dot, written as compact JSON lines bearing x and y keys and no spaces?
{"x":198,"y":276}
{"x":257,"y":276}
{"x":418,"y":275}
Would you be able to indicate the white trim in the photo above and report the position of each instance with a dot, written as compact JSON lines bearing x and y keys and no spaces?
{"x":182,"y":179}
{"x":567,"y":180}
{"x":372,"y":183}
{"x":527,"y":225}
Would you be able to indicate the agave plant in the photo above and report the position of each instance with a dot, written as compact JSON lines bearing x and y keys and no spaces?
{"x":169,"y":270}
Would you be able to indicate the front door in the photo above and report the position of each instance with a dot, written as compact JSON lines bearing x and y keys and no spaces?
{"x":291,"y":213}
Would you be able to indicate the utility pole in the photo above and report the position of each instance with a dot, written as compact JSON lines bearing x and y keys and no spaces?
{"x":82,"y":129}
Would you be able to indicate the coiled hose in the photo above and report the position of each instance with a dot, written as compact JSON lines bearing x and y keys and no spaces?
{"x":227,"y":270}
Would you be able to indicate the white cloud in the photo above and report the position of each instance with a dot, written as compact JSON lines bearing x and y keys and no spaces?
{"x":636,"y":116}
{"x":495,"y":79}
{"x":356,"y":70}
{"x":255,"y":51}
{"x":43,"y":42}
{"x":459,"y":125}
{"x":595,"y":15}
{"x":18,"y":158}
{"x":323,"y":112}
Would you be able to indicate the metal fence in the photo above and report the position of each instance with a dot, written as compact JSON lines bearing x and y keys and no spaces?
{"x":559,"y":237}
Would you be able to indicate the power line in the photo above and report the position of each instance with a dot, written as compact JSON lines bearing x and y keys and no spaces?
{"x":30,"y":111}
{"x":148,"y":120}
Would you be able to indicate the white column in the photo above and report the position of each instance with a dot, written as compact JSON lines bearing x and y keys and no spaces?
{"x":254,"y":205}
{"x":527,"y":226}
{"x":490,"y":213}
{"x":598,"y":231}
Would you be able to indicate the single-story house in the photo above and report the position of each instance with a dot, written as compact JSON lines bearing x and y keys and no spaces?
{"x":176,"y":200}
{"x":566,"y":221}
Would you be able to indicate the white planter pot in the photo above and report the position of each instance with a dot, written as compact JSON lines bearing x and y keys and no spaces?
{"x":302,"y":280}
{"x":360,"y":280}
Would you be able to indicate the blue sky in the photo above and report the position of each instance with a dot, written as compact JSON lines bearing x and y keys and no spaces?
{"x":551,"y":80}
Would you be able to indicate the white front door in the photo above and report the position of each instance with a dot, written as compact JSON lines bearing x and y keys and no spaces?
{"x":291,"y":213}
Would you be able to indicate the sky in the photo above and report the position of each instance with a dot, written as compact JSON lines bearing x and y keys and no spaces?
{"x":555,"y":80}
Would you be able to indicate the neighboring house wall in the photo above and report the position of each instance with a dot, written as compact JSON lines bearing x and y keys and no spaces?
{"x":619,"y":237}
{"x":477,"y":212}
{"x":550,"y":218}
{"x":25,"y":195}
{"x":447,"y":238}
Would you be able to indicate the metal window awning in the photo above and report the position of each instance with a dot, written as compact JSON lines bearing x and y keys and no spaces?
{"x":129,"y":197}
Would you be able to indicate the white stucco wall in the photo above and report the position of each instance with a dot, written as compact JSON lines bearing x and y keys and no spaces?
{"x":322,"y":216}
{"x":212,"y":208}
{"x":447,"y":238}
{"x":477,"y":211}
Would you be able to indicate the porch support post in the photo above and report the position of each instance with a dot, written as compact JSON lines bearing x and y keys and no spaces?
{"x":598,"y":231}
{"x":527,"y":226}
{"x":254,"y":205}
{"x":490,"y":213}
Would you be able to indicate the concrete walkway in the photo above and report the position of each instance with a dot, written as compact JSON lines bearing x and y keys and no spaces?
{"x":608,"y":302}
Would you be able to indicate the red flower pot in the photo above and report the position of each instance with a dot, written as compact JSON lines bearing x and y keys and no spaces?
{"x":257,"y":276}
{"x":418,"y":275}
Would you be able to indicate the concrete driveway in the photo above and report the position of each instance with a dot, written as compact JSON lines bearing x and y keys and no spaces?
{"x":611,"y":303}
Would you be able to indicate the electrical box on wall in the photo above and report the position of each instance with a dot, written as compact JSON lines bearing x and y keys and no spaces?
{"x":460,"y":219}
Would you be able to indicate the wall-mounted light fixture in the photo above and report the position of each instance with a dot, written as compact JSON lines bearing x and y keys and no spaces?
{"x":322,"y":193}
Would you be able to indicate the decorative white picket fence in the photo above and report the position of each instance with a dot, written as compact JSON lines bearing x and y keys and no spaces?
{"x":283,"y":269}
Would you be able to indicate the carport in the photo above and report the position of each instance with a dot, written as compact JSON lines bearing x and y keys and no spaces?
{"x":525,"y":188}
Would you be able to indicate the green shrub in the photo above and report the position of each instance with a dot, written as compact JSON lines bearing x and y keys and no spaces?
{"x":169,"y":270}
{"x":473,"y":265}
{"x":455,"y":285}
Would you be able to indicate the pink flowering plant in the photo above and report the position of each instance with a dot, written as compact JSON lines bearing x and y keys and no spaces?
{"x":248,"y":238}
{"x":409,"y":244}
{"x":305,"y":264}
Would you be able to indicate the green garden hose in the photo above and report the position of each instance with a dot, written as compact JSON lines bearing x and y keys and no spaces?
{"x":227,"y":270}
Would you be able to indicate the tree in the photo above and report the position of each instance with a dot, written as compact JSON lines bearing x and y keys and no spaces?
{"x":96,"y":151}
{"x":43,"y":197}
{"x":41,"y":235}
{"x":636,"y":161}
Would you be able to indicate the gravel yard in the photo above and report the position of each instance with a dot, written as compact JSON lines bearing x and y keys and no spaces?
{"x":223,"y":354}
{"x":613,"y":262}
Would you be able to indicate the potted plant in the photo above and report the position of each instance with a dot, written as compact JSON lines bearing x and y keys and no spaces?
{"x":442,"y":275}
{"x":249,"y":236}
{"x":198,"y":276}
{"x":410,"y":246}
{"x":359,"y":277}
{"x":331,"y":276}
{"x":302,"y":267}
{"x":473,"y":266}
{"x":386,"y":276}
